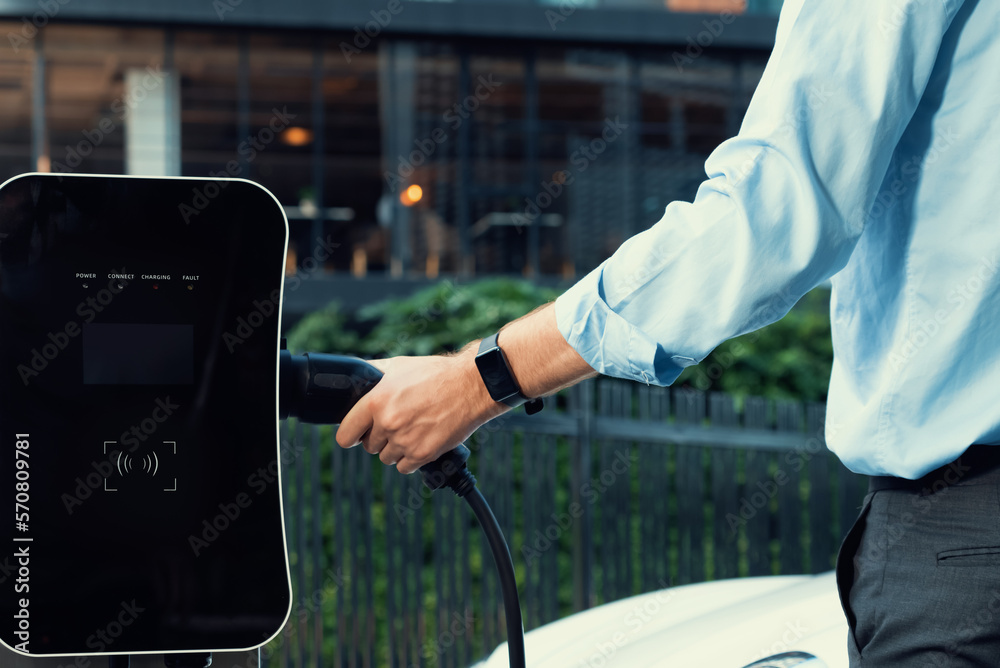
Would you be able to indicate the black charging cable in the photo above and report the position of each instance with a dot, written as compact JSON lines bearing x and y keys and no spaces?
{"x":450,"y":470}
{"x":320,"y":389}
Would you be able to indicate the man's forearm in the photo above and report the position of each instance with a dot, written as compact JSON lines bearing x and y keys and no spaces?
{"x":539,"y":357}
{"x":424,"y":406}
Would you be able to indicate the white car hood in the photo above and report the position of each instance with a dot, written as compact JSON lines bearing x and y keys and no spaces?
{"x":724,"y":624}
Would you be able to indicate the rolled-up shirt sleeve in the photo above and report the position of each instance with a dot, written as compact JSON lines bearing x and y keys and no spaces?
{"x":785,"y":200}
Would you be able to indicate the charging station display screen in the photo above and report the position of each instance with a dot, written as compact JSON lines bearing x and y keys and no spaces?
{"x":138,"y":354}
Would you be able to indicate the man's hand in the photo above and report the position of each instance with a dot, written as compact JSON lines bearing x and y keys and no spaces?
{"x":425,"y":406}
{"x":422,"y":408}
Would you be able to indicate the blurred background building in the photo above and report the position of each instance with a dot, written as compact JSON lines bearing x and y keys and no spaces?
{"x":407,"y":140}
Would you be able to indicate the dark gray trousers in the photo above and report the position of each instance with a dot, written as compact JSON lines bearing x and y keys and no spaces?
{"x":919,"y":573}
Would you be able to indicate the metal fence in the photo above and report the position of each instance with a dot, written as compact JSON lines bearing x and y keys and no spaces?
{"x":615,"y":489}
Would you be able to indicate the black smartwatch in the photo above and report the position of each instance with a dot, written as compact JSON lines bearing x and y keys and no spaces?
{"x":499,"y":380}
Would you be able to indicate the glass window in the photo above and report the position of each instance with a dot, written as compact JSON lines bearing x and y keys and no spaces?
{"x":278,"y":148}
{"x":442,"y":119}
{"x":353,"y":178}
{"x":584,"y":195}
{"x":87,"y":104}
{"x":687,"y":111}
{"x":208,"y":65}
{"x":16,"y":73}
{"x":281,"y":114}
{"x":499,"y":164}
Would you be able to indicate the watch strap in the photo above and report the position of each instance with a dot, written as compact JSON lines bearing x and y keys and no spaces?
{"x":531,"y":406}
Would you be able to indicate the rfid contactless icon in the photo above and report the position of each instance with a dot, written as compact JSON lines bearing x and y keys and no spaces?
{"x":138,"y":469}
{"x":150,"y":463}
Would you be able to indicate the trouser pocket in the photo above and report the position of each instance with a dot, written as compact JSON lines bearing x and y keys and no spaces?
{"x":846,"y":567}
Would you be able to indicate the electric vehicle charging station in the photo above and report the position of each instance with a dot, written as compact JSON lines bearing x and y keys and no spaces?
{"x":129,"y":421}
{"x":132,"y":411}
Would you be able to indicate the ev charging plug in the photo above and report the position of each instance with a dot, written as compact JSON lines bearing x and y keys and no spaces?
{"x":319,"y":388}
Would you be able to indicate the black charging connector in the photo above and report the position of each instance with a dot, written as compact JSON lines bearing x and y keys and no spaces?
{"x":321,"y":389}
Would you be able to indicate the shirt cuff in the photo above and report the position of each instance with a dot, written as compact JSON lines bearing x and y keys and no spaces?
{"x":607,"y":342}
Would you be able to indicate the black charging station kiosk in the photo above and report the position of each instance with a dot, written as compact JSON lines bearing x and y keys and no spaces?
{"x":141,"y":385}
{"x":139,"y":336}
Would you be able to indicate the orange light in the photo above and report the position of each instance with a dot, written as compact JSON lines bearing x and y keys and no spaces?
{"x":411,"y":195}
{"x":296,"y":136}
{"x":707,"y":6}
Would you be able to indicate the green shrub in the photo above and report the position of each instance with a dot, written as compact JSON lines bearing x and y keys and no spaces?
{"x":438,"y":319}
{"x":789,"y":359}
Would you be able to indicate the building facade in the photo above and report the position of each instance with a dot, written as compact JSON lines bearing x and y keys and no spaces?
{"x":406,"y":140}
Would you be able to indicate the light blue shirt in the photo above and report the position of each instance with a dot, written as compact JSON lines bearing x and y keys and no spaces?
{"x":870,"y":154}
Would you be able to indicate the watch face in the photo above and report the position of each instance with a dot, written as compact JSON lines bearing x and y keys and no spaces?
{"x":496,"y":375}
